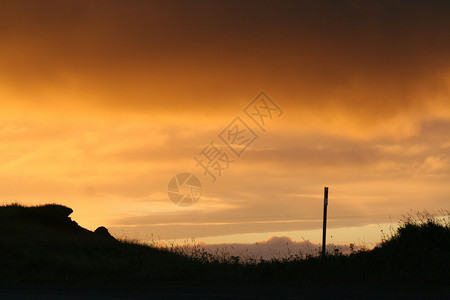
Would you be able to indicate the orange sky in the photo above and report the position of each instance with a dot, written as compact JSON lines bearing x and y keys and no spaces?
{"x":103,"y":102}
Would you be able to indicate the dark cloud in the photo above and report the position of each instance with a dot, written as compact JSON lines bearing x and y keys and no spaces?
{"x":375,"y":59}
{"x":336,"y":68}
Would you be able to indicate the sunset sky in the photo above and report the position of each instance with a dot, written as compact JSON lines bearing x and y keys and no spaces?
{"x":103,"y":102}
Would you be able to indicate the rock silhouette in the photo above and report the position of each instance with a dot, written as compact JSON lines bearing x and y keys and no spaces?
{"x":103,"y":232}
{"x":50,"y":221}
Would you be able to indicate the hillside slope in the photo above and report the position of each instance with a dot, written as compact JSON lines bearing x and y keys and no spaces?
{"x":42,"y":244}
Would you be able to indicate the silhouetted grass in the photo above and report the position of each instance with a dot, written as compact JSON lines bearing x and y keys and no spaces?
{"x":39,"y":244}
{"x":42,"y":244}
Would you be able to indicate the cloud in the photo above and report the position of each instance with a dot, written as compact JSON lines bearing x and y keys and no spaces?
{"x":368,"y":63}
{"x":435,"y":165}
{"x":118,"y":97}
{"x":275,"y":247}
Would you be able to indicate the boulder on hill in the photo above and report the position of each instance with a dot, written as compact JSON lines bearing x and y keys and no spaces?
{"x":103,"y":232}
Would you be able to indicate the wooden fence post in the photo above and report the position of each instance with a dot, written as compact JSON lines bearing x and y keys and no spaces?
{"x":324,"y":235}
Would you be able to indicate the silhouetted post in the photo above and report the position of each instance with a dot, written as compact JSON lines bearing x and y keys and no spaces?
{"x":325,"y":204}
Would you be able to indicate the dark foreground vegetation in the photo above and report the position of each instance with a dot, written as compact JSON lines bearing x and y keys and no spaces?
{"x":42,"y":245}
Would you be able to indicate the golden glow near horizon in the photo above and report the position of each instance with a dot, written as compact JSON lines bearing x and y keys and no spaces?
{"x":100,"y":108}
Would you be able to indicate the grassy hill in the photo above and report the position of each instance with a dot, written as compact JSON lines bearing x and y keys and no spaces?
{"x":42,"y":244}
